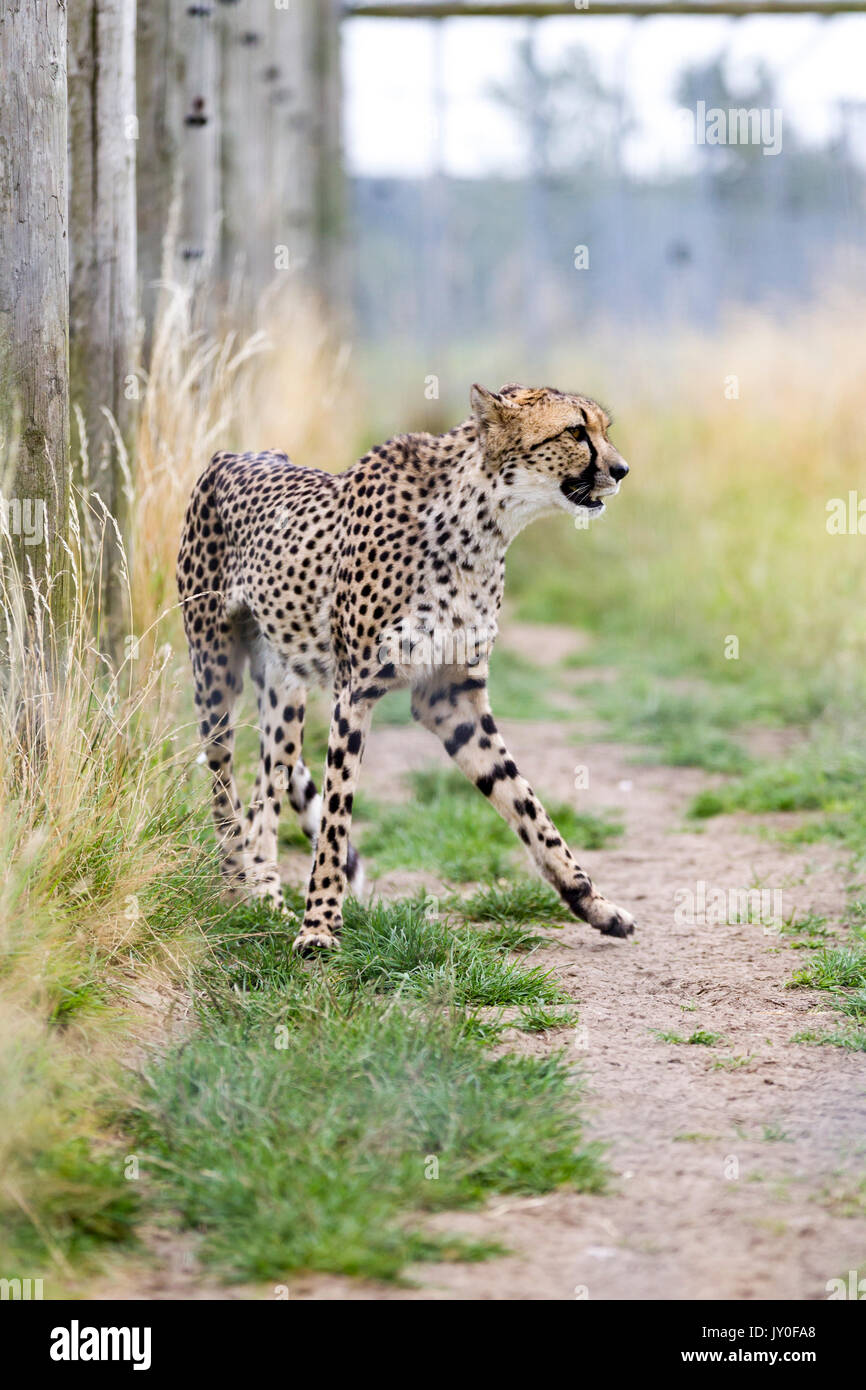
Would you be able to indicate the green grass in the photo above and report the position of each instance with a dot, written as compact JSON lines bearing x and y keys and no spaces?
{"x":526,"y":900}
{"x":836,"y":969}
{"x":311,"y":1157}
{"x":298,"y":1127}
{"x":393,"y":947}
{"x":449,"y":829}
{"x":83,"y":1203}
{"x":584,"y":829}
{"x":393,"y":709}
{"x":511,"y":936}
{"x":699,"y":1038}
{"x":317,"y":1154}
{"x":65,"y":1196}
{"x":841,"y":973}
{"x":806,"y":933}
{"x":775,"y":1134}
{"x":519,"y":690}
{"x":826,"y":774}
{"x":852,"y":1040}
{"x":855,"y":1005}
{"x":733,"y":1063}
{"x":681,"y":729}
{"x":539,"y":1019}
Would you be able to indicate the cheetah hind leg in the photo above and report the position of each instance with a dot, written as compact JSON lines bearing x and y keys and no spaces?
{"x":281,"y":713}
{"x":334,"y":866}
{"x":281,"y":771}
{"x":217,"y":687}
{"x":307,"y":802}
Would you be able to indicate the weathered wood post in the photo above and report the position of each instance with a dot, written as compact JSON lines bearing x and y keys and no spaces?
{"x":34,"y":289}
{"x":239,"y":115}
{"x":245,"y":52}
{"x":159,"y":81}
{"x":329,"y":197}
{"x":280,"y":127}
{"x":199,"y":141}
{"x":103,"y":279}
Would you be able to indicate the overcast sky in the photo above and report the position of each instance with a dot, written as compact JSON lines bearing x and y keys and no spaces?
{"x":390,"y":68}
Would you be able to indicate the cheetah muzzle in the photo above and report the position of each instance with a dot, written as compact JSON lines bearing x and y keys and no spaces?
{"x":388,"y":575}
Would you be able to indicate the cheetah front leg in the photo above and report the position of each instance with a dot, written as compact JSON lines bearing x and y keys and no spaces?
{"x":458,"y":711}
{"x":332,"y":854}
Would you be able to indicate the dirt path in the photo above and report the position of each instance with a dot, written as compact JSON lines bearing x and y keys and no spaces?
{"x":739,"y":1169}
{"x":739,"y":1180}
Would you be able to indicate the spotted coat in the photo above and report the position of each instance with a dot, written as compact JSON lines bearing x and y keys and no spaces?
{"x":390,"y":574}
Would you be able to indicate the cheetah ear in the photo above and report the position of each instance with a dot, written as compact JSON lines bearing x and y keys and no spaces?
{"x":487,"y":407}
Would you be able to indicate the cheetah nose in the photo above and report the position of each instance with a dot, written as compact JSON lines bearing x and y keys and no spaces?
{"x":618,"y":470}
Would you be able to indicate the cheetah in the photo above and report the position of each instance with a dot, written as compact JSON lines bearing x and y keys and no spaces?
{"x":388,"y":575}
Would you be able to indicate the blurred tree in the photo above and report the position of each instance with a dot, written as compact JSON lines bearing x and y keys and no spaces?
{"x":799,"y":177}
{"x":727,"y":168}
{"x":574,"y":122}
{"x":575,"y":127}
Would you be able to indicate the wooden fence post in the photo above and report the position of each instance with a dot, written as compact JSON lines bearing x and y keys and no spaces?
{"x":103,"y":274}
{"x":280,"y":123}
{"x":199,"y":142}
{"x":244,"y":53}
{"x":34,"y":303}
{"x":159,"y":94}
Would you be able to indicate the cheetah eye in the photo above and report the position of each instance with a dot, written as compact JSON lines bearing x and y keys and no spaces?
{"x":577,"y":432}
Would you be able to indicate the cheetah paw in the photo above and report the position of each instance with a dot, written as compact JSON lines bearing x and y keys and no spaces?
{"x":310,"y":940}
{"x":611,"y":920}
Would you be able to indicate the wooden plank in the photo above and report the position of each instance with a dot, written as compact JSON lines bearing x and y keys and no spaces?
{"x":544,"y":9}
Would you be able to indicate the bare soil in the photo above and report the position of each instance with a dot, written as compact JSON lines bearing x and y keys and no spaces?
{"x":738,"y":1170}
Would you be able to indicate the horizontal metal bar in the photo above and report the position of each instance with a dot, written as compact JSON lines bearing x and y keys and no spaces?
{"x":544,"y":9}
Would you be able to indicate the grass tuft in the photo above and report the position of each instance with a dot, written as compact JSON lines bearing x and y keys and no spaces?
{"x":317,"y":1106}
{"x":526,"y":900}
{"x":699,"y":1038}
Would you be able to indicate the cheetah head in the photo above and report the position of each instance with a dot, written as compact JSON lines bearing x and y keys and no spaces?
{"x":549,"y":450}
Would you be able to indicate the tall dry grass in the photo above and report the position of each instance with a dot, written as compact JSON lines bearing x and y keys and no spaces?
{"x":107,"y":883}
{"x":92,"y":821}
